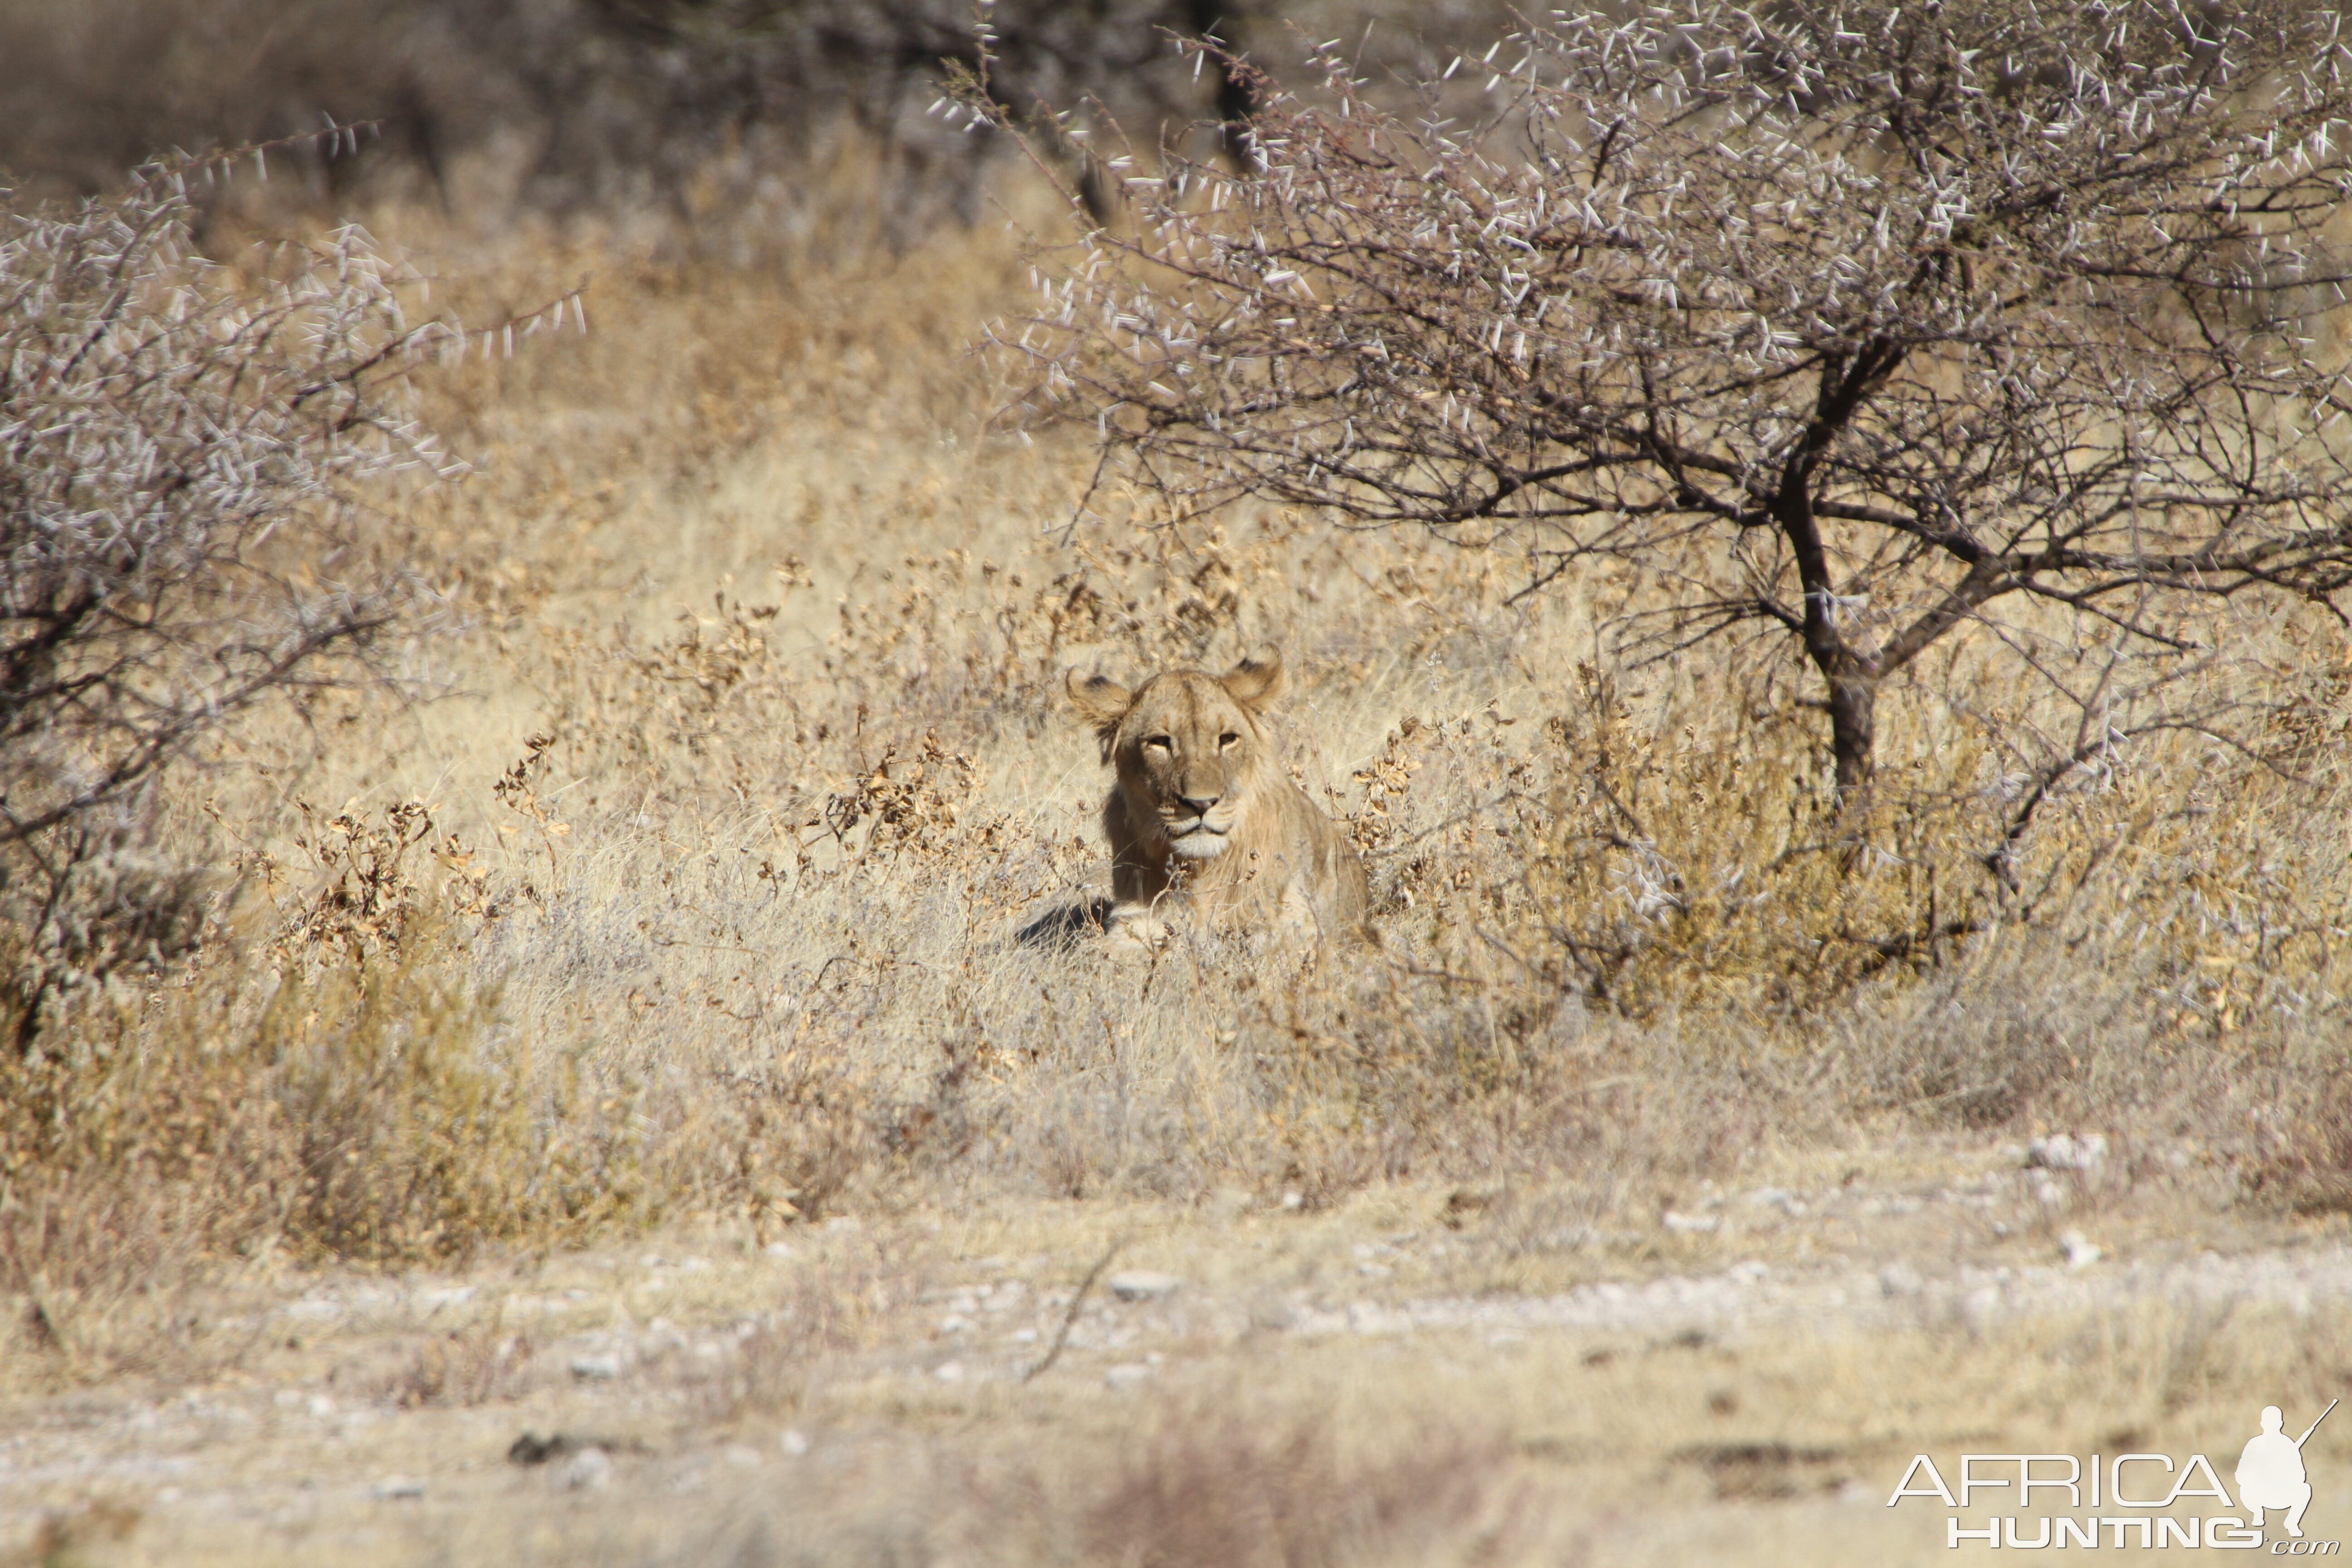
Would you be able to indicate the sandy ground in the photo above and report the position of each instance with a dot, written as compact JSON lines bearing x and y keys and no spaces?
{"x":1745,"y":1385}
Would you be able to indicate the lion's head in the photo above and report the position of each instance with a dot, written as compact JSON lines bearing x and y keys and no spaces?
{"x":1188,"y":747}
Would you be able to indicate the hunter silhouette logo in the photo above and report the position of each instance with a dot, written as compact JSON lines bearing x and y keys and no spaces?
{"x":2270,"y":1473}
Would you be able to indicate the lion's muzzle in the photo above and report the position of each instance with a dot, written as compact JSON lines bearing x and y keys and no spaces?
{"x":1197,"y":837}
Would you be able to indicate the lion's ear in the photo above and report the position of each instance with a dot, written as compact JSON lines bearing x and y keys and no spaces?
{"x":1104,"y":703}
{"x":1254,"y":681}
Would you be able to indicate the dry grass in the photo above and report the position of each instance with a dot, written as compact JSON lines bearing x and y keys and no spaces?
{"x":689,"y":887}
{"x":681,"y":898}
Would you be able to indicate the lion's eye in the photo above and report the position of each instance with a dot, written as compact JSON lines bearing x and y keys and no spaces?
{"x":1162,"y":741}
{"x":1227,"y":739}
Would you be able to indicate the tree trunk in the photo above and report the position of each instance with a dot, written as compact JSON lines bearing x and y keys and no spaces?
{"x":1854,"y":726}
{"x":1853,"y":677}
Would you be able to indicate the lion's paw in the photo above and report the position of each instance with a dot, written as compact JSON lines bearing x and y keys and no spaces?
{"x":1134,"y":931}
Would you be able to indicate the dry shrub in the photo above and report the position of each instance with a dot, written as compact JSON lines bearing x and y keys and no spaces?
{"x":830,"y":1308}
{"x":466,"y":1367}
{"x":1215,"y":1489}
{"x":713,"y":123}
{"x":380,"y":1110}
{"x":180,"y":540}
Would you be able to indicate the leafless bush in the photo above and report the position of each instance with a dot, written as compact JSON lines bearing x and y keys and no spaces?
{"x":1866,"y":332}
{"x":181,"y":448}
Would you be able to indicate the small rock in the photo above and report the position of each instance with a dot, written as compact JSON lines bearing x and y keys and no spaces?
{"x":397,"y":1487}
{"x":1768,"y":1197}
{"x":320,"y":1405}
{"x":793,"y":1442}
{"x":779,"y":1249}
{"x":1127,"y":1375}
{"x":2080,"y":1250}
{"x":1900,"y":1279}
{"x":2066,"y":1152}
{"x":2049,"y":1194}
{"x":743,"y":1457}
{"x":954,"y":1323}
{"x":949,"y":1372}
{"x":1024,"y":1336}
{"x":589,"y":1470}
{"x":1144,"y":1285}
{"x":1689,"y":1223}
{"x":595,"y":1368}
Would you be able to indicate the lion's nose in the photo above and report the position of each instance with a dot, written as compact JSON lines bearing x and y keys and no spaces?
{"x":1200,"y":803}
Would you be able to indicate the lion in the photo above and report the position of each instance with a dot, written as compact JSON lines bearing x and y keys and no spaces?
{"x":1201,"y":817}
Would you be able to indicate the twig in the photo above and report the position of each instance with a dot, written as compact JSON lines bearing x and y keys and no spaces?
{"x":1070,"y":1318}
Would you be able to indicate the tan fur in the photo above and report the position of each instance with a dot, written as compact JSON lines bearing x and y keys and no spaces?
{"x":1201,"y":815}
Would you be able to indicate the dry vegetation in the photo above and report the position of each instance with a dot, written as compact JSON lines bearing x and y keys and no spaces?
{"x":668,"y":889}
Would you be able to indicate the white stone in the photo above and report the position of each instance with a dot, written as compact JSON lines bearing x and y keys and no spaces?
{"x":793,"y":1442}
{"x":590,"y":1470}
{"x":2067,"y":1152}
{"x":398,"y":1487}
{"x":596,"y":1368}
{"x":1127,"y":1375}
